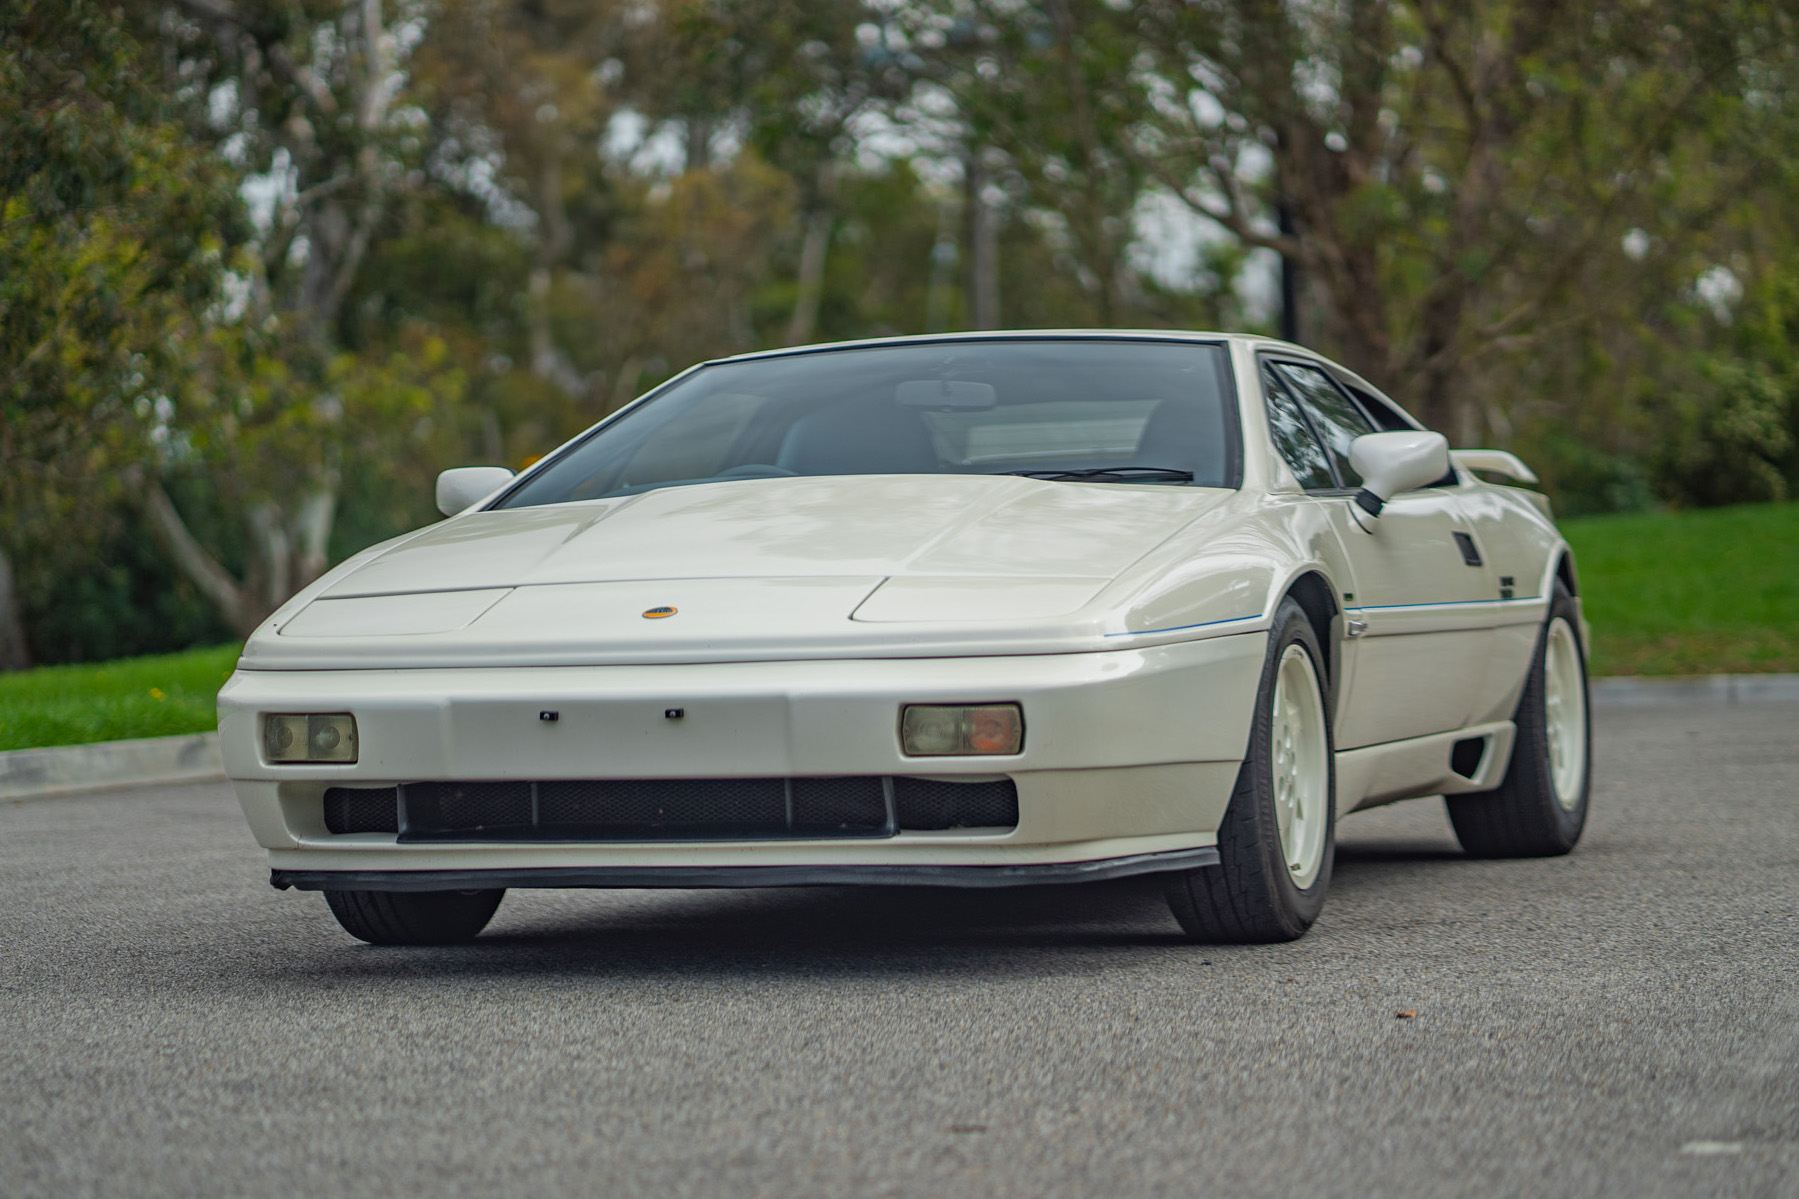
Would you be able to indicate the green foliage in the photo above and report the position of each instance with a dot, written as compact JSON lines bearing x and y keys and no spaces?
{"x":1586,"y":480}
{"x":268,"y":265}
{"x":113,"y":230}
{"x":1691,"y":592}
{"x":110,"y":594}
{"x":1732,"y":434}
{"x":138,"y":697}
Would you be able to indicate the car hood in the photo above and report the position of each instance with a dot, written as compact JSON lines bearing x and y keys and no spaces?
{"x":787,"y":528}
{"x":753,"y":569}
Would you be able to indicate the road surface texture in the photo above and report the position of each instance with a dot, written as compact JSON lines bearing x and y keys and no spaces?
{"x":1623,"y":1021}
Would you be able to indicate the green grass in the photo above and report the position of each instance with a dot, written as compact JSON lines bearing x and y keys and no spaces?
{"x":1704,"y":592}
{"x":112,"y":701}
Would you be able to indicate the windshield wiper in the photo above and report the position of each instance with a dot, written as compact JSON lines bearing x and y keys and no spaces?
{"x":1125,"y":474}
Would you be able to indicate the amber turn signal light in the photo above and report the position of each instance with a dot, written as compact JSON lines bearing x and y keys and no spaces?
{"x":950,"y":730}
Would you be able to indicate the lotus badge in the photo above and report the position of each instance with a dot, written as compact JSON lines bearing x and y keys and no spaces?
{"x":658,"y":613}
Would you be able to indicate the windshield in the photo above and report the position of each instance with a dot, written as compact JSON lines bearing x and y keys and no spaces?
{"x":1094,"y":410}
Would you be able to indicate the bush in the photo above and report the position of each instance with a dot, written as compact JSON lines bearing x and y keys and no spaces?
{"x":111,"y":594}
{"x":1732,"y":441}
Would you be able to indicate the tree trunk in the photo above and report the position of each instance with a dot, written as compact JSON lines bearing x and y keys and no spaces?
{"x":811,"y":276}
{"x":821,"y":218}
{"x":13,"y":655}
{"x":1289,"y":278}
{"x":624,"y":385}
{"x":983,"y":248}
{"x":943,"y":262}
{"x":202,"y":570}
{"x":699,"y":143}
{"x":1438,"y":373}
{"x":285,"y":556}
{"x":312,"y":535}
{"x":548,"y":361}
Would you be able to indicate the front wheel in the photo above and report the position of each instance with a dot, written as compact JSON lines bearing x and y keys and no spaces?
{"x":1277,"y":842}
{"x":1540,"y":808}
{"x":414,"y":917}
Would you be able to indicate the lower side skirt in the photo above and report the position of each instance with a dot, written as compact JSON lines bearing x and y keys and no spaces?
{"x":1035,"y":874}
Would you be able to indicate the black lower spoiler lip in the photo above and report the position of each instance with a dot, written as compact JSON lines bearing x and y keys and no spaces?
{"x":1035,"y":874}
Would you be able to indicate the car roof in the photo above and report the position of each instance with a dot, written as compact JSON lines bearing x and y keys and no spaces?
{"x":1025,"y":335}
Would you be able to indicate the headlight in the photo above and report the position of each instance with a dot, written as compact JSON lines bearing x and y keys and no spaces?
{"x":945,"y":730}
{"x":311,"y":738}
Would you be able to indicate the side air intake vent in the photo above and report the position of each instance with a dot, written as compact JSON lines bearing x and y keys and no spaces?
{"x":1465,"y":756}
{"x":362,"y":810}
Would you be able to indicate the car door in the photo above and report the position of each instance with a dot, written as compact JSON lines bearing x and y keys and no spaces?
{"x":1419,"y":607}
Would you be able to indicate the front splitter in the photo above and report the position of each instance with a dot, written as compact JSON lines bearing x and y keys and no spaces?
{"x":1035,"y":874}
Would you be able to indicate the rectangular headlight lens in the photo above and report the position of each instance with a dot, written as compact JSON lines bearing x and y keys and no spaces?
{"x":946,"y":730}
{"x":328,"y":737}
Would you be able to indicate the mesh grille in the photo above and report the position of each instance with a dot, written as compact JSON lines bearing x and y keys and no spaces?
{"x":666,"y":807}
{"x":361,"y":810}
{"x":938,"y":804}
{"x":851,"y":805}
{"x":691,"y":809}
{"x":467,"y":807}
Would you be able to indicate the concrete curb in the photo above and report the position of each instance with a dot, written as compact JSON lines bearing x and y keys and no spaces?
{"x":1683,"y":691}
{"x":194,"y":758}
{"x":67,"y":769}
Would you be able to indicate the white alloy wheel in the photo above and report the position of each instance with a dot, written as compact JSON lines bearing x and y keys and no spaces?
{"x":1540,"y":807}
{"x":1565,"y":713}
{"x":1300,"y":766}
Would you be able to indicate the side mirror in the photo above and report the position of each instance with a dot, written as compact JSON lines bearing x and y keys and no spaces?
{"x":1390,"y":463}
{"x":465,"y":485}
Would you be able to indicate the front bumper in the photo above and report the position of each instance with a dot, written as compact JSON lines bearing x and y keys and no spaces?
{"x":1129,"y":755}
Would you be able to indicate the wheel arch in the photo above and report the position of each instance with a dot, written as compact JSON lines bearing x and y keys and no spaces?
{"x":1564,"y":570}
{"x":1318,"y":600}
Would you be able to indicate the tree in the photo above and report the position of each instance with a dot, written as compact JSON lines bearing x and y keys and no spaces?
{"x":1453,"y":168}
{"x":113,"y":230}
{"x":301,"y":97}
{"x":794,"y":77}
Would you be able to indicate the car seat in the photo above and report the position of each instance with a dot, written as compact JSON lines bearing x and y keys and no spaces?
{"x":859,"y":438}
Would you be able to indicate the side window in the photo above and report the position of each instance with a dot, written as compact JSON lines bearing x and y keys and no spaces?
{"x":1338,"y":419}
{"x":1380,"y":409}
{"x":1293,"y":437}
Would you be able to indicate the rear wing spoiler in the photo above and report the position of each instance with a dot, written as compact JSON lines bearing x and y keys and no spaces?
{"x":1498,"y":462}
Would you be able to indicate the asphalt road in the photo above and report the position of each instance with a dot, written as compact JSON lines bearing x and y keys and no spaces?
{"x":1623,"y":1021}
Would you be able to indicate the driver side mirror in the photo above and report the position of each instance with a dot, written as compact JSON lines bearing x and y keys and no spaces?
{"x":1390,"y":463}
{"x":464,"y":485}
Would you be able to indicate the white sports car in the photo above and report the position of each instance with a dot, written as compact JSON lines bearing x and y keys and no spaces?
{"x":973,"y":610}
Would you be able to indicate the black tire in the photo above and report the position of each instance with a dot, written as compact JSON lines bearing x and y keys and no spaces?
{"x":1522,"y":817}
{"x":414,"y":917}
{"x":1250,"y":897}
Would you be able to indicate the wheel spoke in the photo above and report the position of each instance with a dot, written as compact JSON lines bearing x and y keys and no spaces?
{"x":1564,"y":712}
{"x":1298,"y":764}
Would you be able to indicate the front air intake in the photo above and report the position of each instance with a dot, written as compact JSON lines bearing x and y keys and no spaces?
{"x":362,"y":810}
{"x":625,"y":810}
